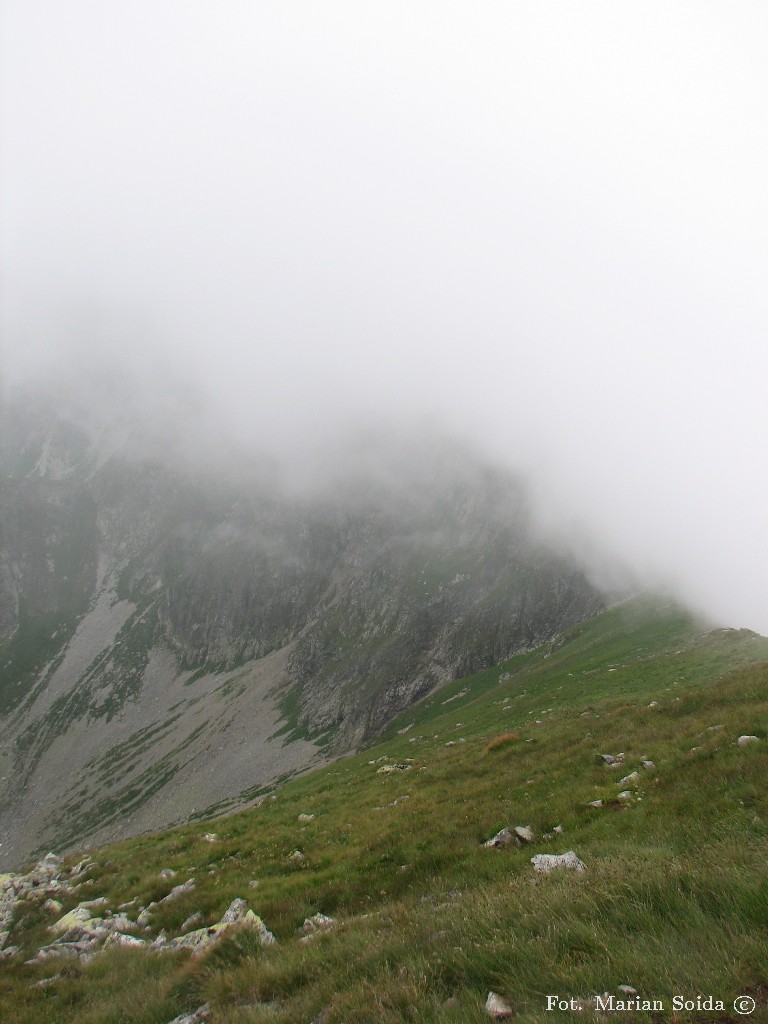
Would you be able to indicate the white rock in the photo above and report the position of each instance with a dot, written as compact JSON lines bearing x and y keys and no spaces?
{"x":316,"y":924}
{"x":629,"y":780}
{"x":523,"y":834}
{"x":198,"y":1016}
{"x":192,"y":922}
{"x":547,"y":862}
{"x":501,"y":839}
{"x":179,"y":890}
{"x":306,"y":817}
{"x":744,"y":741}
{"x":558,"y":830}
{"x":595,"y":803}
{"x":498,"y":1008}
{"x":627,"y":990}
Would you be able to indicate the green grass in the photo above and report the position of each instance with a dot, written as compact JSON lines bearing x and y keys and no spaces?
{"x":674,"y":899}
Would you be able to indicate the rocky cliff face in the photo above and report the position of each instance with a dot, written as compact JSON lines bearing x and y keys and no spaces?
{"x":172,"y":639}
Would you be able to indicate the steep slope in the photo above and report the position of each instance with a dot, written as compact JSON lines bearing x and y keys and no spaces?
{"x":420,"y":919}
{"x":175,"y":637}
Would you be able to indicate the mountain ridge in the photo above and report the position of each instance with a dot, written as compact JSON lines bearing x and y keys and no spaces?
{"x":223,"y":633}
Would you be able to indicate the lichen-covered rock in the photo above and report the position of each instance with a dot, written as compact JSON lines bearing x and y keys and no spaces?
{"x":238,"y":914}
{"x":70,"y":920}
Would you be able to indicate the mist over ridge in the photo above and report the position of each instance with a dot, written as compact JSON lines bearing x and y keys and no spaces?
{"x":260,"y":235}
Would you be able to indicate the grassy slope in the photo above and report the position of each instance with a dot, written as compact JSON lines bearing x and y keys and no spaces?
{"x":675,"y":898}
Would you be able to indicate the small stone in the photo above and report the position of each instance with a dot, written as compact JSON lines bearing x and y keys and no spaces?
{"x":306,"y":817}
{"x":198,"y":1016}
{"x":744,"y":741}
{"x":253,"y":884}
{"x":500,"y":840}
{"x":297,"y":855}
{"x":235,"y":912}
{"x":625,"y":795}
{"x":498,"y":1008}
{"x":649,"y":765}
{"x":523,"y":834}
{"x":100,"y":901}
{"x":547,"y":862}
{"x":595,"y":803}
{"x":627,"y":990}
{"x":314,"y":925}
{"x":653,"y":704}
{"x":629,"y":780}
{"x":129,"y":941}
{"x":179,"y":890}
{"x":167,"y":873}
{"x":210,"y":837}
{"x":45,"y":982}
{"x":558,"y":830}
{"x":192,"y":922}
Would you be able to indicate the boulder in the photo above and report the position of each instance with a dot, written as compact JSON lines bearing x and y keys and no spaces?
{"x":546,"y":862}
{"x":523,"y":834}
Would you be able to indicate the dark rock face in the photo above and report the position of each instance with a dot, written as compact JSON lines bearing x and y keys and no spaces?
{"x":146,"y":610}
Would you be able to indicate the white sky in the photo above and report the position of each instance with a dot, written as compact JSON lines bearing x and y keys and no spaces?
{"x":543,"y":224}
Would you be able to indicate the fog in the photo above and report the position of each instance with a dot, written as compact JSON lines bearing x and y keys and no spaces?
{"x":541,"y":227}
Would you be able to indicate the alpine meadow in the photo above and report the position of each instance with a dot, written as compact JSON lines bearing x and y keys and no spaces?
{"x":383,"y":503}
